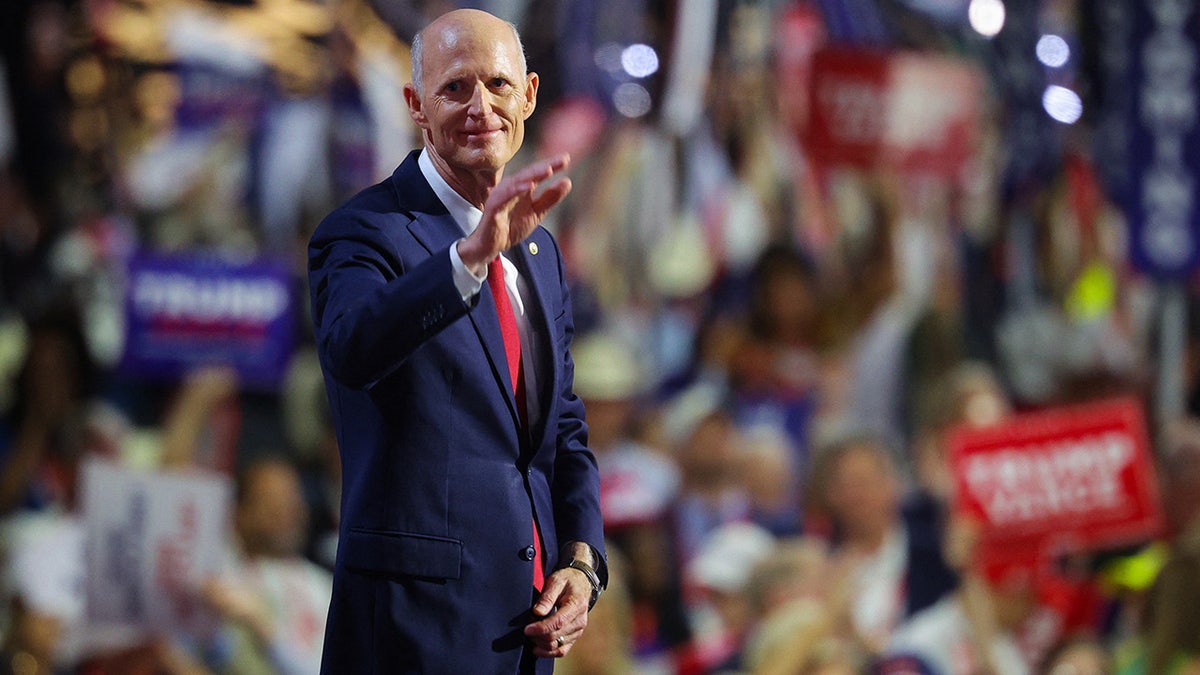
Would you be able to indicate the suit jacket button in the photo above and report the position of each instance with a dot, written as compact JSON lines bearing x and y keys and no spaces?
{"x":528,"y":553}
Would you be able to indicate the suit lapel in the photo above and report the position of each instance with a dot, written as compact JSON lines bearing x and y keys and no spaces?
{"x":541,"y":279}
{"x":434,"y":228}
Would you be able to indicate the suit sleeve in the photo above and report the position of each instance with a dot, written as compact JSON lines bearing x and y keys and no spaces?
{"x":370,"y":311}
{"x":576,"y":487}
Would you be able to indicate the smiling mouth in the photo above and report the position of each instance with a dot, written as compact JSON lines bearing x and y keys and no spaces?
{"x":487,"y":133}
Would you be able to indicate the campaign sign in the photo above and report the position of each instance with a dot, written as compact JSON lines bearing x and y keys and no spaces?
{"x":911,"y":112}
{"x":1063,"y":481}
{"x":186,"y":312}
{"x":1148,"y":131}
{"x":152,"y":539}
{"x":211,"y":96}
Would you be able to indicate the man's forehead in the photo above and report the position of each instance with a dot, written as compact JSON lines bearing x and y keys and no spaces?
{"x":465,"y":47}
{"x":499,"y":49}
{"x":463,"y":29}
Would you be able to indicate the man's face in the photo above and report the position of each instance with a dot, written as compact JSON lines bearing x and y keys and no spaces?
{"x":861,"y":490}
{"x":475,"y":96}
{"x":273,"y":517}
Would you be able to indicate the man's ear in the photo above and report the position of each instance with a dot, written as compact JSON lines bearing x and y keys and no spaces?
{"x":415,"y":111}
{"x":531,"y":86}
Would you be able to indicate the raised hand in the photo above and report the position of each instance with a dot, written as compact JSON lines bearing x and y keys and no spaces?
{"x":513,"y":209}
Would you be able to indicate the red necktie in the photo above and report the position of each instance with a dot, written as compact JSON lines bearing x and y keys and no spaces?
{"x":512,"y":351}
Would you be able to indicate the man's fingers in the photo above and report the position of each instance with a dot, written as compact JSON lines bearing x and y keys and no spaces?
{"x":552,"y":637}
{"x":552,"y":195}
{"x":558,"y":646}
{"x":543,"y":169}
{"x":570,"y":603}
{"x":514,"y":208}
{"x":506,"y":195}
{"x":525,"y":181}
{"x":554,"y":587}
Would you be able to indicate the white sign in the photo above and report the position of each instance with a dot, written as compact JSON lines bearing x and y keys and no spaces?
{"x":152,"y":540}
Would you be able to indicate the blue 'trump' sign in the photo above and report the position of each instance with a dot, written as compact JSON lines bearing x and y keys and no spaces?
{"x":186,"y":312}
{"x":1162,"y":200}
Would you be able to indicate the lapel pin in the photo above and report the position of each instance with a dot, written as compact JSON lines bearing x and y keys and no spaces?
{"x":533,"y":248}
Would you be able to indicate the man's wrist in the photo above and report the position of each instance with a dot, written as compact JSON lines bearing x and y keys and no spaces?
{"x":580,"y":550}
{"x":584,"y":558}
{"x":473,"y":259}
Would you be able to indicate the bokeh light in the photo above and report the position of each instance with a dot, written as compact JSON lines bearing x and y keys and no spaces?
{"x":1053,"y":51}
{"x":1062,"y":104}
{"x":639,"y":60}
{"x":608,"y":57}
{"x":631,"y":100}
{"x":986,"y":16}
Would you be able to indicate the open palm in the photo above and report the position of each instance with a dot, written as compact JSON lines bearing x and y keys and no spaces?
{"x":515,"y":207}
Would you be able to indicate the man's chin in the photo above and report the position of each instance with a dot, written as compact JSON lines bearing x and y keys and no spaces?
{"x":492,"y":154}
{"x":488,"y":163}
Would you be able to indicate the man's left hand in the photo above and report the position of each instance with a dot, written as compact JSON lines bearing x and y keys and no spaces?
{"x":564,"y":604}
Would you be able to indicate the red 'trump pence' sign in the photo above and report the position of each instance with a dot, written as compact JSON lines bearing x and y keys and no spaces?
{"x":1066,"y":480}
{"x":901,"y":110}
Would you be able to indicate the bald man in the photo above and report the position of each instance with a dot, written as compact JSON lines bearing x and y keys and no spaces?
{"x":470,"y":537}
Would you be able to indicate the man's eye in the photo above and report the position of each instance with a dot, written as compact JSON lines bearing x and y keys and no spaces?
{"x":499,"y":82}
{"x":454,"y":87}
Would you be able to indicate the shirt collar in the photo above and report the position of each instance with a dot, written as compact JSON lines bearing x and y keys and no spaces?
{"x":462,"y":211}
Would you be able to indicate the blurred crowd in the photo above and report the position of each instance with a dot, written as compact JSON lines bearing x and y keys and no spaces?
{"x":772,"y":346}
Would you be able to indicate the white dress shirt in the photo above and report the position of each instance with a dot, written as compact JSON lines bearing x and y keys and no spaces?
{"x":467,"y":216}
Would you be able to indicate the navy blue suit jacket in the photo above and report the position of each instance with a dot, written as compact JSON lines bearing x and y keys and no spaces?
{"x":440,"y":481}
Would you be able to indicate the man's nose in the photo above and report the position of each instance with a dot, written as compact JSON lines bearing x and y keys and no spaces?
{"x":480,"y":104}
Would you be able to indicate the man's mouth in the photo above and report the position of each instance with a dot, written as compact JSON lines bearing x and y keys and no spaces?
{"x":482,"y":134}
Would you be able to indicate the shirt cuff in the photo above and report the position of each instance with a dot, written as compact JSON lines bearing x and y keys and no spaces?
{"x":468,"y":284}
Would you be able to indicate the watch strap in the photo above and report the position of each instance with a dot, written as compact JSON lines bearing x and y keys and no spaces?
{"x":592,"y":577}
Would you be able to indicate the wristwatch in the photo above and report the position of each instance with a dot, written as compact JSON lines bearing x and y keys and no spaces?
{"x":592,"y":577}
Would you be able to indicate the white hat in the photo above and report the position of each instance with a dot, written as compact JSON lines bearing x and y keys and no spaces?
{"x":605,"y":368}
{"x":728,"y":556}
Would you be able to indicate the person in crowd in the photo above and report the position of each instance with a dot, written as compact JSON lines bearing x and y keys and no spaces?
{"x":49,"y":430}
{"x":309,"y":429}
{"x":273,"y":600}
{"x":800,"y":599}
{"x":774,"y":368}
{"x":893,"y":555}
{"x":1081,"y":654}
{"x":768,"y":472}
{"x":471,"y":537}
{"x":661,"y":630}
{"x":972,"y":629}
{"x":970,"y":394}
{"x":708,"y":451}
{"x":639,"y":485}
{"x":609,"y":380}
{"x":200,"y":427}
{"x":1179,"y":475}
{"x":720,"y":574}
{"x":1168,"y":639}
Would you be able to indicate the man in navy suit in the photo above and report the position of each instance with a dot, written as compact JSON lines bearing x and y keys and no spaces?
{"x":470,"y":536}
